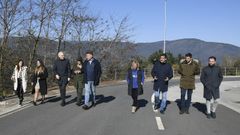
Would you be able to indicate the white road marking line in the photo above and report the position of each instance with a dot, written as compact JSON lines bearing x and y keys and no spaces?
{"x":158,"y":120}
{"x":159,"y":123}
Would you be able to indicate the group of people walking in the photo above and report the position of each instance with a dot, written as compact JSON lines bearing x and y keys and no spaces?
{"x":87,"y":75}
{"x":162,"y":72}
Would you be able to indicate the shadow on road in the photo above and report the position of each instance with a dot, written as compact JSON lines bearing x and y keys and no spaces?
{"x":57,"y":99}
{"x":178,"y":101}
{"x":142,"y":103}
{"x":102,"y":99}
{"x":200,"y":107}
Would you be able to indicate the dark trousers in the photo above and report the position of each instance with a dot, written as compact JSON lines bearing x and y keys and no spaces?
{"x":19,"y":91}
{"x":79,"y":87}
{"x":62,"y":87}
{"x":135,"y":97}
{"x":185,"y":103}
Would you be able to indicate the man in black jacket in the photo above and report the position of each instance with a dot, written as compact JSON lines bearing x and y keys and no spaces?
{"x":91,"y":77}
{"x":211,"y":77}
{"x":62,"y":72}
{"x":162,"y":72}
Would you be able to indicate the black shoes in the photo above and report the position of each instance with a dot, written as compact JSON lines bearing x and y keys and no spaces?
{"x":63,"y":104}
{"x":182,"y":111}
{"x":156,"y":107}
{"x":208,"y":116}
{"x":162,"y":111}
{"x":34,"y":103}
{"x":85,"y":107}
{"x":21,"y":102}
{"x":187,"y":111}
{"x":212,"y":115}
{"x":42,"y":102}
{"x":78,"y":104}
{"x":93,"y":104}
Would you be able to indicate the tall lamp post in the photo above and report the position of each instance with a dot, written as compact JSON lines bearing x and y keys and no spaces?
{"x":165,"y":26}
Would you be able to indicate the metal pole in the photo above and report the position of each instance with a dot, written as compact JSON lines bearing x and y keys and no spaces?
{"x":236,"y":71}
{"x":165,"y":26}
{"x":115,"y":74}
{"x":225,"y":70}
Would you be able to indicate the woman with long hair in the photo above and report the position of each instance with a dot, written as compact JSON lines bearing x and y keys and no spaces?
{"x":39,"y":81}
{"x":78,"y":80}
{"x":19,"y":77}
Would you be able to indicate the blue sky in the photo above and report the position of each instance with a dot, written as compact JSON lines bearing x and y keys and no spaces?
{"x":209,"y":20}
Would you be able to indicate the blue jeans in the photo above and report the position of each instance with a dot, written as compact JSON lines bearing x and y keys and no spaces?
{"x":164,"y":99}
{"x":90,"y":89}
{"x":185,"y":103}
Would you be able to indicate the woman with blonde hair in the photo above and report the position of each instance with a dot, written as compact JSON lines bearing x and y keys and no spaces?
{"x":39,"y":81}
{"x":135,"y":80}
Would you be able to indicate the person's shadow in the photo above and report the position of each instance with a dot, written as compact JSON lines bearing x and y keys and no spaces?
{"x":200,"y":107}
{"x":102,"y":99}
{"x":99,"y":99}
{"x":142,"y":103}
{"x":56,"y":99}
{"x":178,"y":101}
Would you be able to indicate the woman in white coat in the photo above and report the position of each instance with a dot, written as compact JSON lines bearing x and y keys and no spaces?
{"x":19,"y":78}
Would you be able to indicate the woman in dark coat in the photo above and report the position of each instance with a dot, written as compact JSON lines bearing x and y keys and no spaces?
{"x":78,"y":80}
{"x":39,"y":81}
{"x":135,"y":80}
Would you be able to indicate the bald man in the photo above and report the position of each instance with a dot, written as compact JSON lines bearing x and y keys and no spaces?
{"x":62,"y":72}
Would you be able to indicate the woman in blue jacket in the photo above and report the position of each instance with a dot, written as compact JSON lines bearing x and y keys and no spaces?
{"x":135,"y":80}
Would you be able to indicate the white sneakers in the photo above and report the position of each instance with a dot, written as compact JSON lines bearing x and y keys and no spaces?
{"x":134,"y":109}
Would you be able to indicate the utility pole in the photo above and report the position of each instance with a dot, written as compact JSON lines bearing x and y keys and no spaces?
{"x":165,"y":26}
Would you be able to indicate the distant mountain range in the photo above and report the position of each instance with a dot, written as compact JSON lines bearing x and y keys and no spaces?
{"x":199,"y":48}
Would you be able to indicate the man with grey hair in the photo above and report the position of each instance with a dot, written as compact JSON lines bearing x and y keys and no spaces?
{"x":62,"y":72}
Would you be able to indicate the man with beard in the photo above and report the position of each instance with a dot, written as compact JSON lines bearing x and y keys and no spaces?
{"x":211,"y":78}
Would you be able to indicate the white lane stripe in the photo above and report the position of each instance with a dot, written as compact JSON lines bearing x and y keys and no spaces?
{"x":159,"y":123}
{"x":158,"y":118}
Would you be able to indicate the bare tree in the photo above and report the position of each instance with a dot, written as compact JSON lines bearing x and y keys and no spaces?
{"x":63,"y":19}
{"x":39,"y":15}
{"x":79,"y":26}
{"x":50,"y":11}
{"x":111,"y":40}
{"x":10,"y":19}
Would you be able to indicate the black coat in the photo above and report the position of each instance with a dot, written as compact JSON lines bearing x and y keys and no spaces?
{"x":97,"y":71}
{"x":130,"y":80}
{"x":211,"y":77}
{"x":62,"y":68}
{"x":161,"y":71}
{"x":42,"y":82}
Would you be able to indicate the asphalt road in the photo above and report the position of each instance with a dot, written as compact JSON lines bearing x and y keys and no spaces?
{"x":112,"y":116}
